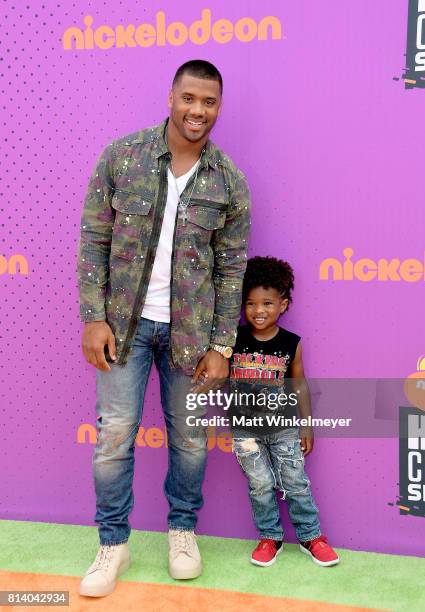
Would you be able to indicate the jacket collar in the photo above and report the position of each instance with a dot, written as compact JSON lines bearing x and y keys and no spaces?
{"x":209,"y":157}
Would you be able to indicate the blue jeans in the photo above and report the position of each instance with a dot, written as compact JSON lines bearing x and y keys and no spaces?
{"x":120,"y":395}
{"x":277,"y":462}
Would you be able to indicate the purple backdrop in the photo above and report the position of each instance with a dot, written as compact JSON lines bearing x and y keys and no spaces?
{"x":332,"y":147}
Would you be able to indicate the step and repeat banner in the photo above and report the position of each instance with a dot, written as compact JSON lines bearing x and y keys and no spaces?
{"x":323,"y":110}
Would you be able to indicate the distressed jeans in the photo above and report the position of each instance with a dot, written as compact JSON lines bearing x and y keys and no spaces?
{"x":277,"y":462}
{"x":120,"y":395}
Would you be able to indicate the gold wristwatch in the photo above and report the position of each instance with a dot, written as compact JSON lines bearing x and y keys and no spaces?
{"x":225,"y":351}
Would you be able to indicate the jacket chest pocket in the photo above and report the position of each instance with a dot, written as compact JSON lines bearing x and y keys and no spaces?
{"x":202,"y":221}
{"x":207,"y":217}
{"x":133,"y":224}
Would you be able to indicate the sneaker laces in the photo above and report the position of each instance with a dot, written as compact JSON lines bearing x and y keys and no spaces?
{"x":321,"y":540}
{"x":182,"y":542}
{"x":265,"y":543}
{"x":103,"y":558}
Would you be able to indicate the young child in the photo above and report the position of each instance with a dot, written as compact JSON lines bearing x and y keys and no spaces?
{"x":264,"y":356}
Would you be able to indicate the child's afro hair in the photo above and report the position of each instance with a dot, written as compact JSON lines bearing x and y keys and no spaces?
{"x":268,"y":272}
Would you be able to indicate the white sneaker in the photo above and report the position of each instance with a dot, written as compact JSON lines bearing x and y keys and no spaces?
{"x":101,"y":577}
{"x":184,"y":558}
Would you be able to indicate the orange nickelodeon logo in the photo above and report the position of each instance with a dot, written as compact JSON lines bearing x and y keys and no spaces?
{"x":365,"y":269}
{"x":17,"y":264}
{"x":176,"y":33}
{"x":154,"y":437}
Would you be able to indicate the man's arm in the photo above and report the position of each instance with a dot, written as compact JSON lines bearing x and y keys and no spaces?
{"x":93,"y":261}
{"x":230,"y":246}
{"x":95,"y":240}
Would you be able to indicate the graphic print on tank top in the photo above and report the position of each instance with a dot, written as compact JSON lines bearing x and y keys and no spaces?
{"x":263,"y":360}
{"x":261,"y":368}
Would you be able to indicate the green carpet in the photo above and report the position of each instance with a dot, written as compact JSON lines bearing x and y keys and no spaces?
{"x":372,"y":580}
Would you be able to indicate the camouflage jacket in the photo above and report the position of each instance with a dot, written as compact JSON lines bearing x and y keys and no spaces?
{"x":120,"y":228}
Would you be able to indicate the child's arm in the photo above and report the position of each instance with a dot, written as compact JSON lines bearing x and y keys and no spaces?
{"x":296,"y":371}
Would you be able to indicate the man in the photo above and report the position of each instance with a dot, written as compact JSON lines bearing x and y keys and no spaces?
{"x":161,"y":262}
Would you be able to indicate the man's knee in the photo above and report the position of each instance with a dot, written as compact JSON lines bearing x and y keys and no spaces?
{"x":114,"y":440}
{"x":188,"y":440}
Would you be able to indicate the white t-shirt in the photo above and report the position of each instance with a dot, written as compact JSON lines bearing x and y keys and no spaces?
{"x":157,"y":302}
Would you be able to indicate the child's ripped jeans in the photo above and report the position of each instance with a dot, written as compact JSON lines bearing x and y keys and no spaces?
{"x":276,"y":462}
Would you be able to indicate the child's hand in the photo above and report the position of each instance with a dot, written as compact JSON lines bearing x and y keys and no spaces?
{"x":307,"y":440}
{"x":211,"y":371}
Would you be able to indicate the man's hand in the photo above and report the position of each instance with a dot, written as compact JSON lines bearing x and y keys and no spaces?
{"x":211,"y":369}
{"x":95,"y":336}
{"x":307,"y":440}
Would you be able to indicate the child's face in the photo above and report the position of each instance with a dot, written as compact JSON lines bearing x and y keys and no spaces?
{"x":263,"y":308}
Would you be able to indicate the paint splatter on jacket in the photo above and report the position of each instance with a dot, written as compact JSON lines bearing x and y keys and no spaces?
{"x":120,"y":228}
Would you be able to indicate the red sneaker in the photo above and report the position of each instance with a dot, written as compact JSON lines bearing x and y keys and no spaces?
{"x":320,"y":551}
{"x":266,"y":552}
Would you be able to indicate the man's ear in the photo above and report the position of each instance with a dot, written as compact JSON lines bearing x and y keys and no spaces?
{"x":283,"y":305}
{"x":170,"y":99}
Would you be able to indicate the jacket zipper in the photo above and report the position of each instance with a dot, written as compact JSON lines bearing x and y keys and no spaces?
{"x":172,"y":285}
{"x":172,"y":293}
{"x":150,"y":257}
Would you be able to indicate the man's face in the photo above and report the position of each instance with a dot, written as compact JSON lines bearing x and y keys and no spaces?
{"x":195,"y":105}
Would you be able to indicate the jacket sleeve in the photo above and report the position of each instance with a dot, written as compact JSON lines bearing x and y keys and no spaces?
{"x":95,"y":240}
{"x":230,"y":255}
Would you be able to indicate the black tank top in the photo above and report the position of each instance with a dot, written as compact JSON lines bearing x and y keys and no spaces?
{"x":262,"y":368}
{"x":263,"y":359}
